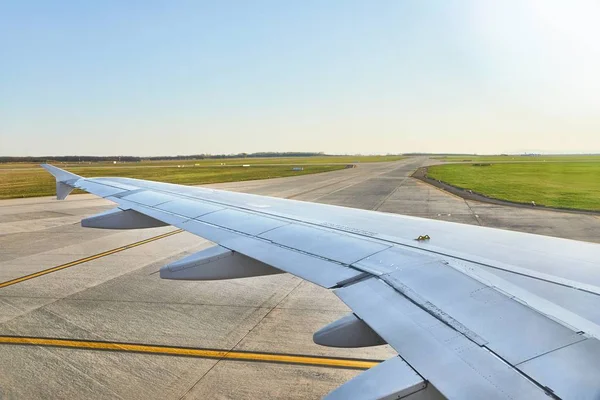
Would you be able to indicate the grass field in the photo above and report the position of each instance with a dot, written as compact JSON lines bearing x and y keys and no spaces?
{"x":519,"y":158}
{"x":30,"y":180}
{"x":573,"y":184}
{"x":323,"y":160}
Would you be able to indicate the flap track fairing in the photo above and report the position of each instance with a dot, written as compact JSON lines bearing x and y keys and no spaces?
{"x":348,"y":331}
{"x":216,"y":263}
{"x":118,"y":218}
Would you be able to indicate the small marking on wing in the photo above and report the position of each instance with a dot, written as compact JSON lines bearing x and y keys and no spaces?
{"x":348,"y":229}
{"x":258,"y":205}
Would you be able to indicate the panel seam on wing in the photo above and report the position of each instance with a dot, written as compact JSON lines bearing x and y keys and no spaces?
{"x":264,"y":240}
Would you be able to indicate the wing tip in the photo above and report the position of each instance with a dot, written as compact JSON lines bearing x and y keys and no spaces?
{"x":63,"y":180}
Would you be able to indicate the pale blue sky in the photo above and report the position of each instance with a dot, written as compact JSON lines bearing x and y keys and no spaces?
{"x":177,"y":77}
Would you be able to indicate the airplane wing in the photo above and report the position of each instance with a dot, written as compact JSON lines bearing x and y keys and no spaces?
{"x":473,"y":312}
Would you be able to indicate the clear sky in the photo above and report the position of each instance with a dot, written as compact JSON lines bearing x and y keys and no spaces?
{"x":340,"y":76}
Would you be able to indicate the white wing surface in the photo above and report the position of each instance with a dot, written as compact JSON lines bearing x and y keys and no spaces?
{"x":473,"y":312}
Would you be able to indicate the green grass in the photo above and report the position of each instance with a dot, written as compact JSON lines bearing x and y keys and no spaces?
{"x":574,"y":184}
{"x":519,"y":158}
{"x":32,"y":182}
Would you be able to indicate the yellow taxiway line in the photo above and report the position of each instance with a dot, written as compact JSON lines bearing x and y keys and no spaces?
{"x":169,"y":350}
{"x":192,"y":352}
{"x":86,"y":259}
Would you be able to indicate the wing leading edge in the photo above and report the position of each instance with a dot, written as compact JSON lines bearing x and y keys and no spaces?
{"x":461,"y":328}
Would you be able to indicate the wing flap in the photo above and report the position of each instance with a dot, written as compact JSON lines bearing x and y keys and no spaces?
{"x":392,"y":379}
{"x":455,"y":365}
{"x":512,"y":330}
{"x":557,"y":367}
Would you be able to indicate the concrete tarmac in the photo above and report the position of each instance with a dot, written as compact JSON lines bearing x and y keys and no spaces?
{"x":99,"y":301}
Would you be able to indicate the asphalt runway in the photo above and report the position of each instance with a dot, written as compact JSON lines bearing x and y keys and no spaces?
{"x":83,"y":313}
